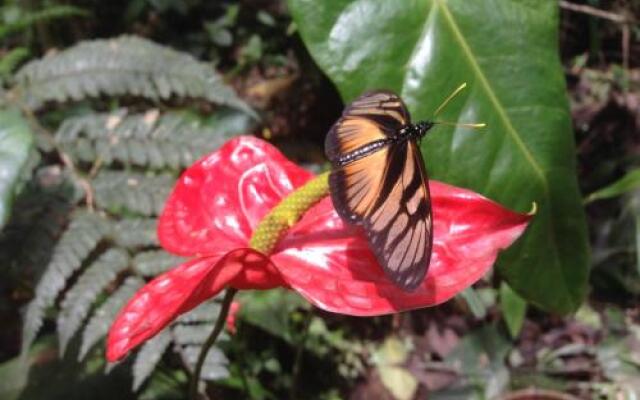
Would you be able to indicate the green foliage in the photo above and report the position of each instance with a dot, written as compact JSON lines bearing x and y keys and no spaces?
{"x":187,"y":334}
{"x":616,"y":256}
{"x":77,"y":301}
{"x":11,"y":60}
{"x":38,"y":375}
{"x":149,"y":356}
{"x":127,"y":65}
{"x":514,"y":309}
{"x":122,"y":163}
{"x":121,"y":192}
{"x":98,"y":326}
{"x":134,"y":233}
{"x":146,"y":140}
{"x":480,"y":359}
{"x":271,"y":310}
{"x":16,"y":141}
{"x":154,"y":262}
{"x":629,"y":182}
{"x":79,"y":240}
{"x":28,"y":19}
{"x":506,"y":52}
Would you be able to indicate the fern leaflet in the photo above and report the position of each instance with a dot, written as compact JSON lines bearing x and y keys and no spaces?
{"x":149,"y":356}
{"x":101,"y":320}
{"x":78,"y":300}
{"x":121,"y":192}
{"x":81,"y":237}
{"x":127,"y":65}
{"x":147,"y":140}
{"x":154,"y":262}
{"x":190,"y":332}
{"x":134,"y":233}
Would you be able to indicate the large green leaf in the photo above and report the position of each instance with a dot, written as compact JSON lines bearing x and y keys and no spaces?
{"x":506,"y":50}
{"x":15,"y":143}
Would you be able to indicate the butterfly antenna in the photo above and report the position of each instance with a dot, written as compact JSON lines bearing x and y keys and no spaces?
{"x":448,"y":99}
{"x":444,"y":104}
{"x":463,"y":125}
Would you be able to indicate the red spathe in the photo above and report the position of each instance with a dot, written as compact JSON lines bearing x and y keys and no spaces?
{"x":218,"y":202}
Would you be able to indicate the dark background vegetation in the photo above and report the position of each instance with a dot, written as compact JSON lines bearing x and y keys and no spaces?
{"x":62,"y":211}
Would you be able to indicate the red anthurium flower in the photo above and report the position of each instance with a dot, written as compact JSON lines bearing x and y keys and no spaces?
{"x":218,"y":202}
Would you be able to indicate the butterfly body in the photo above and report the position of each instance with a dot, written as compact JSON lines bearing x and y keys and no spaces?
{"x":410,"y":132}
{"x":379,"y":182}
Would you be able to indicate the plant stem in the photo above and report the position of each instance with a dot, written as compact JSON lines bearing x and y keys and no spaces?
{"x":222,"y":317}
{"x":596,"y":12}
{"x":298,"y":359}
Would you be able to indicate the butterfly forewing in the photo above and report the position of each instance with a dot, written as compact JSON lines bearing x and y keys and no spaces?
{"x":384,"y":188}
{"x":371,"y":117}
{"x":359,"y":183}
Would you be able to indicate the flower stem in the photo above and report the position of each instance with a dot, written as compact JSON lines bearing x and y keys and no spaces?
{"x":264,"y":239}
{"x":298,"y":360}
{"x":222,"y":317}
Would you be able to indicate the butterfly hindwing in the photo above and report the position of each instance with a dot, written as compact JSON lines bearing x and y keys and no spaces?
{"x":399,"y":227}
{"x":383,"y":189}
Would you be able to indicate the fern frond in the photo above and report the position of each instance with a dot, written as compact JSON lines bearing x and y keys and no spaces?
{"x":127,"y":65}
{"x":205,"y":312}
{"x":101,"y":320}
{"x":191,"y":330}
{"x":149,"y":356}
{"x":154,"y":262}
{"x":82,"y":236}
{"x":135,"y":233}
{"x":47,"y":14}
{"x":215,"y":365}
{"x":121,"y":192}
{"x":191,"y":334}
{"x":148,"y":140}
{"x":78,"y":300}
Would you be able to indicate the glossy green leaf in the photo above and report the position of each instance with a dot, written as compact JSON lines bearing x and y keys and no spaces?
{"x":271,"y":310}
{"x":16,"y":141}
{"x":506,"y":51}
{"x":629,"y":182}
{"x":514,"y":309}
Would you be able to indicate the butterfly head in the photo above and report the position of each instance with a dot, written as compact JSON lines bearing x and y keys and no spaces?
{"x":424,"y":126}
{"x":420,"y":129}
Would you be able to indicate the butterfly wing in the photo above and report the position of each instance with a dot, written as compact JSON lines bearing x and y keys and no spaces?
{"x":385,"y":189}
{"x":372,"y":116}
{"x":399,"y":226}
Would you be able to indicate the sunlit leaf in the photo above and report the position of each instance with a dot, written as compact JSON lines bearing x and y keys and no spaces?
{"x":16,"y":141}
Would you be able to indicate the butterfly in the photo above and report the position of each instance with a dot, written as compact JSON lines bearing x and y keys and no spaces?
{"x":378,"y":181}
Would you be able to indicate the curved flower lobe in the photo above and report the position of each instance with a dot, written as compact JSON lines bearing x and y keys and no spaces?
{"x":216,"y":205}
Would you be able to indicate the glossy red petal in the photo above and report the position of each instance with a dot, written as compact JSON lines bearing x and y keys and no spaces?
{"x":331,"y":265}
{"x":181,"y":289}
{"x":218,"y":201}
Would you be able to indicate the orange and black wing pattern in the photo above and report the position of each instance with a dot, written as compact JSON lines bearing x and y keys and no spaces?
{"x":380,"y":183}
